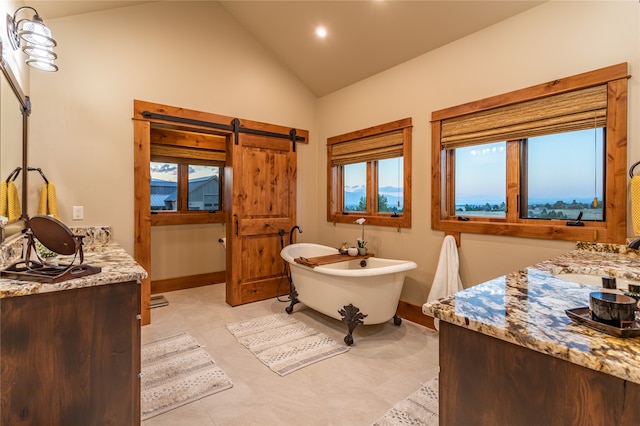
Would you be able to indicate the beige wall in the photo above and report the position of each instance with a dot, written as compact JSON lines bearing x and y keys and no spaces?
{"x":183,"y":250}
{"x":554,"y":40}
{"x":81,"y":132}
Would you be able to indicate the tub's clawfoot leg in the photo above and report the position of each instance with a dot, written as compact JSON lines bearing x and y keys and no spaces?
{"x":397,"y":320}
{"x":293,"y":295}
{"x":352,"y":317}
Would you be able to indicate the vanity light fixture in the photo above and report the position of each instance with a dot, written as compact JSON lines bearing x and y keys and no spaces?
{"x":34,"y":37}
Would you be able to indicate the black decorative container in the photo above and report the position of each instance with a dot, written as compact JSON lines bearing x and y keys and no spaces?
{"x":613,"y":309}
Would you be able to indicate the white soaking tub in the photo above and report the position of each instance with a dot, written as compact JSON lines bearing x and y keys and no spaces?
{"x":355,"y":291}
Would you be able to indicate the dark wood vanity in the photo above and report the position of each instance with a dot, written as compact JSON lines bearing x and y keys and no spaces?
{"x":71,"y":357}
{"x":510,"y":355}
{"x":70,"y":351}
{"x":487,"y":381}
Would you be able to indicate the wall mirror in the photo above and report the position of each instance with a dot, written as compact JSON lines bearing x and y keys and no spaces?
{"x":14,"y":111}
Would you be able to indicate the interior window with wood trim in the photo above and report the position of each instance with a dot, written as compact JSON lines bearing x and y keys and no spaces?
{"x":369,"y":175}
{"x":187,"y":171}
{"x":548,"y":161}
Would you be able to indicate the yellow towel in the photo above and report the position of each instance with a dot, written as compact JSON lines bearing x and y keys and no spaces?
{"x":3,"y":198}
{"x":635,"y":204}
{"x":42,"y":204}
{"x":14,"y":209}
{"x":52,"y":201}
{"x":48,"y":204}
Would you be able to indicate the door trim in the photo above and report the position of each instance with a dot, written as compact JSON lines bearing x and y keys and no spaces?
{"x":190,"y":120}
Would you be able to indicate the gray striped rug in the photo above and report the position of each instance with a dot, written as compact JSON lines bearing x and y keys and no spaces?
{"x":283,"y":343}
{"x":418,"y":409}
{"x":175,"y":371}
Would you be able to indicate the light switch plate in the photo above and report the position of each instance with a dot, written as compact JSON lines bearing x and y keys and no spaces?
{"x":78,"y":212}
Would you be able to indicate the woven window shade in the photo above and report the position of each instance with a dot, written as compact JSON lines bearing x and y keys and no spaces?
{"x":186,"y":152}
{"x":373,"y":148}
{"x":577,"y":110}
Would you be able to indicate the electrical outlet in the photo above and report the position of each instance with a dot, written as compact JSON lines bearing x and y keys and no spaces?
{"x":78,"y":212}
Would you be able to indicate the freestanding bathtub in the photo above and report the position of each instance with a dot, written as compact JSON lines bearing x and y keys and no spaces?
{"x":357,"y":291}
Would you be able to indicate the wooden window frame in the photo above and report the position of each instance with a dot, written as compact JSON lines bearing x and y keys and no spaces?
{"x":611,"y":230}
{"x":335,"y":182}
{"x":190,"y":148}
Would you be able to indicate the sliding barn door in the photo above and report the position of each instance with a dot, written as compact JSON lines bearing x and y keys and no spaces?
{"x":263,"y":202}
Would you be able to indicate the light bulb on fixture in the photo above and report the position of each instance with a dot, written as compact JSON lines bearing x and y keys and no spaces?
{"x":36,"y":32}
{"x":39,"y":52}
{"x":35,"y":39}
{"x":42,"y":64}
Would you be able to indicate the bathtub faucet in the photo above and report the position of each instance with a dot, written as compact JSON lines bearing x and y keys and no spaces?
{"x":291,"y":233}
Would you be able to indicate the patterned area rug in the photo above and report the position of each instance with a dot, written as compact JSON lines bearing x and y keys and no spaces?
{"x":177,"y":370}
{"x":283,"y":343}
{"x":420,"y":408}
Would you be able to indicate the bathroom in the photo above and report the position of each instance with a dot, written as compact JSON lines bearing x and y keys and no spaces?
{"x":76,"y":119}
{"x":81,"y":131}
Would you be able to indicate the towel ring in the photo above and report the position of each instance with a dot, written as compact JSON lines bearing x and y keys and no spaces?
{"x":39,"y":170}
{"x":633,"y":167}
{"x":14,"y":174}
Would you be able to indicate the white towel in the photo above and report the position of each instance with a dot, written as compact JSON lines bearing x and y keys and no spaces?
{"x":447,"y":278}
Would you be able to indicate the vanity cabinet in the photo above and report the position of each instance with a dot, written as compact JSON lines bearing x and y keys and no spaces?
{"x":487,"y":381}
{"x":510,"y":355}
{"x":71,"y":357}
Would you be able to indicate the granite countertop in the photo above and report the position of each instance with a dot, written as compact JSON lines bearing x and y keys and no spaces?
{"x":527,"y":308}
{"x":99,"y":250}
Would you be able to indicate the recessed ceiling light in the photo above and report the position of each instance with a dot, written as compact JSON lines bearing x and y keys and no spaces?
{"x":321,"y":32}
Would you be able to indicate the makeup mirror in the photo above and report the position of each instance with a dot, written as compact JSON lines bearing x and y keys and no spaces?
{"x":58,"y":238}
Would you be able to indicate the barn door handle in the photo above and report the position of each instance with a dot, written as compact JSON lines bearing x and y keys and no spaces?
{"x":237,"y":227}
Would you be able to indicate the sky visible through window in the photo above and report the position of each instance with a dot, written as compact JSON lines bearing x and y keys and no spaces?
{"x":566,"y":166}
{"x":481,"y":174}
{"x":390,"y":181}
{"x":169,"y":171}
{"x":562,"y":167}
{"x":390,"y":174}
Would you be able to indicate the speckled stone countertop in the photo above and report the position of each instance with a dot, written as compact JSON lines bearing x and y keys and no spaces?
{"x":527,"y":308}
{"x":99,"y":250}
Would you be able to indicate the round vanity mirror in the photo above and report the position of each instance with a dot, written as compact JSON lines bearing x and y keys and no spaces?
{"x":54,"y":235}
{"x":57,"y":237}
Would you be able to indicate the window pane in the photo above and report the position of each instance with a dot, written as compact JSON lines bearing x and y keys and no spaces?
{"x":164,"y":186}
{"x":565,"y":175}
{"x":204,"y":188}
{"x":355,"y":187}
{"x":481,"y":180}
{"x":390,"y":185}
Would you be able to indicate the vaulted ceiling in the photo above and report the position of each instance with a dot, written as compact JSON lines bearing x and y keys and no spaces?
{"x":363,"y":37}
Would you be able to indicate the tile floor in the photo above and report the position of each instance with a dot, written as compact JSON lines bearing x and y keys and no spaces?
{"x":385,"y":365}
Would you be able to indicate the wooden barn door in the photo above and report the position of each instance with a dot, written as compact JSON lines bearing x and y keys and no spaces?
{"x":263,"y":202}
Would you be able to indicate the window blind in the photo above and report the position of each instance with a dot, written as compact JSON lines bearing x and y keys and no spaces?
{"x":576,"y":110}
{"x":372,"y":148}
{"x":172,"y":151}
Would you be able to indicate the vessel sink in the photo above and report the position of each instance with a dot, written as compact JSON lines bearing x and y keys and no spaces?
{"x":595,"y":280}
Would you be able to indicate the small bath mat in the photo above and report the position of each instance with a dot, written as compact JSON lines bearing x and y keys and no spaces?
{"x":176,"y":370}
{"x":283,"y":343}
{"x":420,"y":408}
